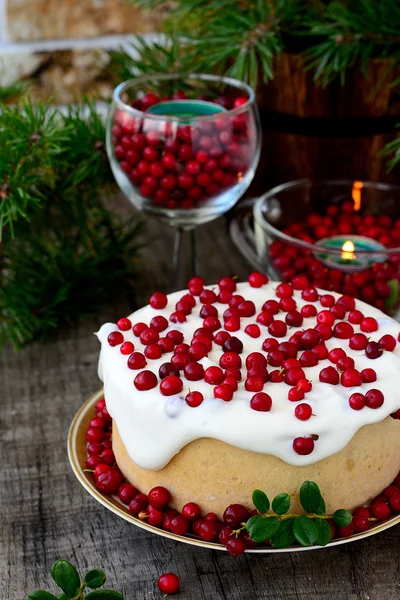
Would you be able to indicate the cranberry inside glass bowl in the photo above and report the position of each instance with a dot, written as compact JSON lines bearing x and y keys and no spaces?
{"x":189,"y":161}
{"x":293,"y":221}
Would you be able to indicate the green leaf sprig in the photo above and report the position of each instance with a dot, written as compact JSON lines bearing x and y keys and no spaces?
{"x":67,"y":578}
{"x":283,"y":529}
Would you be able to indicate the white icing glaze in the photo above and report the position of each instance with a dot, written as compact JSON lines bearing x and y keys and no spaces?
{"x":154,"y":427}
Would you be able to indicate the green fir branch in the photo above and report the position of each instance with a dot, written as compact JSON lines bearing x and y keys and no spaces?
{"x":63,"y":254}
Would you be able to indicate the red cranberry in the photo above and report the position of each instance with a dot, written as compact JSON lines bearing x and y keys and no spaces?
{"x":325,"y":331}
{"x":360,"y":523}
{"x":136,"y":361}
{"x":346,"y":531}
{"x":145,"y":380}
{"x":310,"y":338}
{"x":380,"y":510}
{"x":257,"y":280}
{"x":321,"y":351}
{"x":292,"y":376}
{"x":394,"y":502}
{"x":176,"y":336}
{"x":288,"y":304}
{"x":235,"y":514}
{"x":153,"y":351}
{"x":369,"y":325}
{"x":149,"y":336}
{"x":355,"y":317}
{"x":295,"y":394}
{"x":191,"y":511}
{"x":270,"y":344}
{"x":387,"y":342}
{"x":159,"y":497}
{"x":294,"y":319}
{"x":310,"y":294}
{"x":351,"y":378}
{"x":253,"y":330}
{"x":303,"y":445}
{"x":115,"y":338}
{"x":275,"y":358}
{"x":329,"y":375}
{"x":277,"y":328}
{"x":223,"y":392}
{"x":261,"y":402}
{"x":373,"y":350}
{"x":374,"y":398}
{"x":158,"y":300}
{"x":230,"y":359}
{"x":335,"y":354}
{"x":109,"y":481}
{"x":171,"y":385}
{"x":197,"y":350}
{"x":124,"y":324}
{"x":225,"y":534}
{"x":303,"y":411}
{"x":308,"y":359}
{"x":276,"y":376}
{"x":338,"y":310}
{"x":288,"y":349}
{"x":368,"y":375}
{"x":308,"y":311}
{"x":345,"y":363}
{"x":325,"y":317}
{"x":214,"y":375}
{"x":208,"y":531}
{"x":284,"y":290}
{"x":235,"y":546}
{"x":271,"y":306}
{"x":256,"y":359}
{"x":357,"y":401}
{"x":194,"y":399}
{"x":254,"y":384}
{"x":358,"y":341}
{"x":343,"y":330}
{"x":169,"y":583}
{"x":220,"y":337}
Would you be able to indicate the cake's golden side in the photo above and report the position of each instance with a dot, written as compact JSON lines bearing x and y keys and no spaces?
{"x":215,"y":474}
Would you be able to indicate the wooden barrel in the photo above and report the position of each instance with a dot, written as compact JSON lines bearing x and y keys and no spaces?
{"x":333,"y":132}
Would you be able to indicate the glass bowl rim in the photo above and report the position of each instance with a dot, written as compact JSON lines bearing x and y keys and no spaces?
{"x":297,"y":183}
{"x":181,"y":119}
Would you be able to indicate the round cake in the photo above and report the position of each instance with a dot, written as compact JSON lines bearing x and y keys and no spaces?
{"x":219,"y":390}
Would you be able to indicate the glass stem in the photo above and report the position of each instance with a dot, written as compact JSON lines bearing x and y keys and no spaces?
{"x":184,"y":263}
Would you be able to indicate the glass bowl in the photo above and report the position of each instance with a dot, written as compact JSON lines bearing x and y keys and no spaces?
{"x":183,"y":147}
{"x":300,"y":228}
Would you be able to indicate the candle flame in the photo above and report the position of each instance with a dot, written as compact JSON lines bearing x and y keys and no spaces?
{"x":356,"y":194}
{"x":348,"y":251}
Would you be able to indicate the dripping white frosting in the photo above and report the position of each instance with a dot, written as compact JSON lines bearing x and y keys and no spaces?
{"x":154,"y":427}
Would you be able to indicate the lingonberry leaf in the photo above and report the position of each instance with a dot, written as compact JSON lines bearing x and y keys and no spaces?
{"x":305,"y":531}
{"x":284,"y":536}
{"x":324,"y":532}
{"x":95,"y":578}
{"x":262,"y":528}
{"x":63,"y":597}
{"x":342,"y":517}
{"x":260,"y":501}
{"x":310,"y":497}
{"x":281,"y":504}
{"x":104,"y":595}
{"x":66,"y":577}
{"x":41,"y":595}
{"x":322,"y":508}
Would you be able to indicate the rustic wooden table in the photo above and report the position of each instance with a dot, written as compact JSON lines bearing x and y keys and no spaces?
{"x":46,"y":514}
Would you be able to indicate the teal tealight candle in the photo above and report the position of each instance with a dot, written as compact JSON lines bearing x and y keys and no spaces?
{"x":351,"y":253}
{"x":186,"y":108}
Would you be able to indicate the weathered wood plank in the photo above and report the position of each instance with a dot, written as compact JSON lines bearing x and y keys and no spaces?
{"x":46,"y":514}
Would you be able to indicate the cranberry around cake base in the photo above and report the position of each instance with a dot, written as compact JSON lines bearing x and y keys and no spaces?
{"x":214,"y":474}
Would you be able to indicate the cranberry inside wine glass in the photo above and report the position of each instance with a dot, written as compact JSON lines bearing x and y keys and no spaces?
{"x":183,"y":148}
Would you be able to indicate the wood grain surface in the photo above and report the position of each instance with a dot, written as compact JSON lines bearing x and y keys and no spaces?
{"x":46,"y":514}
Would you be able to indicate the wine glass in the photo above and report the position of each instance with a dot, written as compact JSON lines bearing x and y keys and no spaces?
{"x":183,"y":148}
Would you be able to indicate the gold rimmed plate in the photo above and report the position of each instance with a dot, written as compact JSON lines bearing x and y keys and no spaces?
{"x":77,"y":456}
